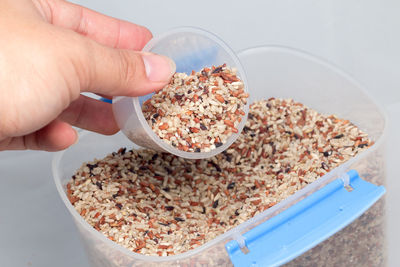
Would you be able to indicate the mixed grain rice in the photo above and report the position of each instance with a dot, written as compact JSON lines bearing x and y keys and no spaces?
{"x":158,"y":204}
{"x":198,"y":112}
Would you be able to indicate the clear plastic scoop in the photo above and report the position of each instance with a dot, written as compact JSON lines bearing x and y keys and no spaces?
{"x":191,"y":49}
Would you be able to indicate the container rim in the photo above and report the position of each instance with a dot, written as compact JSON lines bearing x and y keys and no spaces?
{"x":238,"y":230}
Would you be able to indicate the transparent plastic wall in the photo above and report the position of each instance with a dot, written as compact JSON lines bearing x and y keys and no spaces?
{"x":192,"y":49}
{"x":271,"y":72}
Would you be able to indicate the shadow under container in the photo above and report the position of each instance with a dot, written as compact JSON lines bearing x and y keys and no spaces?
{"x":351,"y":233}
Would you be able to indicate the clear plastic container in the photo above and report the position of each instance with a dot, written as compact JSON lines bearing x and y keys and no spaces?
{"x":191,"y":49}
{"x":272,"y":72}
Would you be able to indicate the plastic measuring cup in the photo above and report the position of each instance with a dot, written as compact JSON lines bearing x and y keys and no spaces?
{"x":191,"y":49}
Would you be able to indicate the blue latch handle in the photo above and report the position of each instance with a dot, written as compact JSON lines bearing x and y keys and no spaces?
{"x":305,"y":224}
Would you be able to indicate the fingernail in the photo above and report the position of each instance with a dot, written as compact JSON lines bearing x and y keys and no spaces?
{"x":158,"y":68}
{"x":77,"y":137}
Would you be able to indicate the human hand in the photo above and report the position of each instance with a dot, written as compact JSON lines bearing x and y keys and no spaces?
{"x":50,"y":52}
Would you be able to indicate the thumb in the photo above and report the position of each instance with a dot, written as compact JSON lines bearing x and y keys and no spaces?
{"x":121,"y":72}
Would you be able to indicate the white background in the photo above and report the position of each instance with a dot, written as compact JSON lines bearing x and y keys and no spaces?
{"x":361,"y":37}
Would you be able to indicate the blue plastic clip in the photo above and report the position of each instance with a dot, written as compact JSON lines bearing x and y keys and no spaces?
{"x":106,"y":100}
{"x":305,"y":224}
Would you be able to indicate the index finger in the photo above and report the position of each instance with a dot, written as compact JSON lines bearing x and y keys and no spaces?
{"x":103,"y":29}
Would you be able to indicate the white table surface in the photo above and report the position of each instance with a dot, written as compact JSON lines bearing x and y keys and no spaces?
{"x":359,"y":36}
